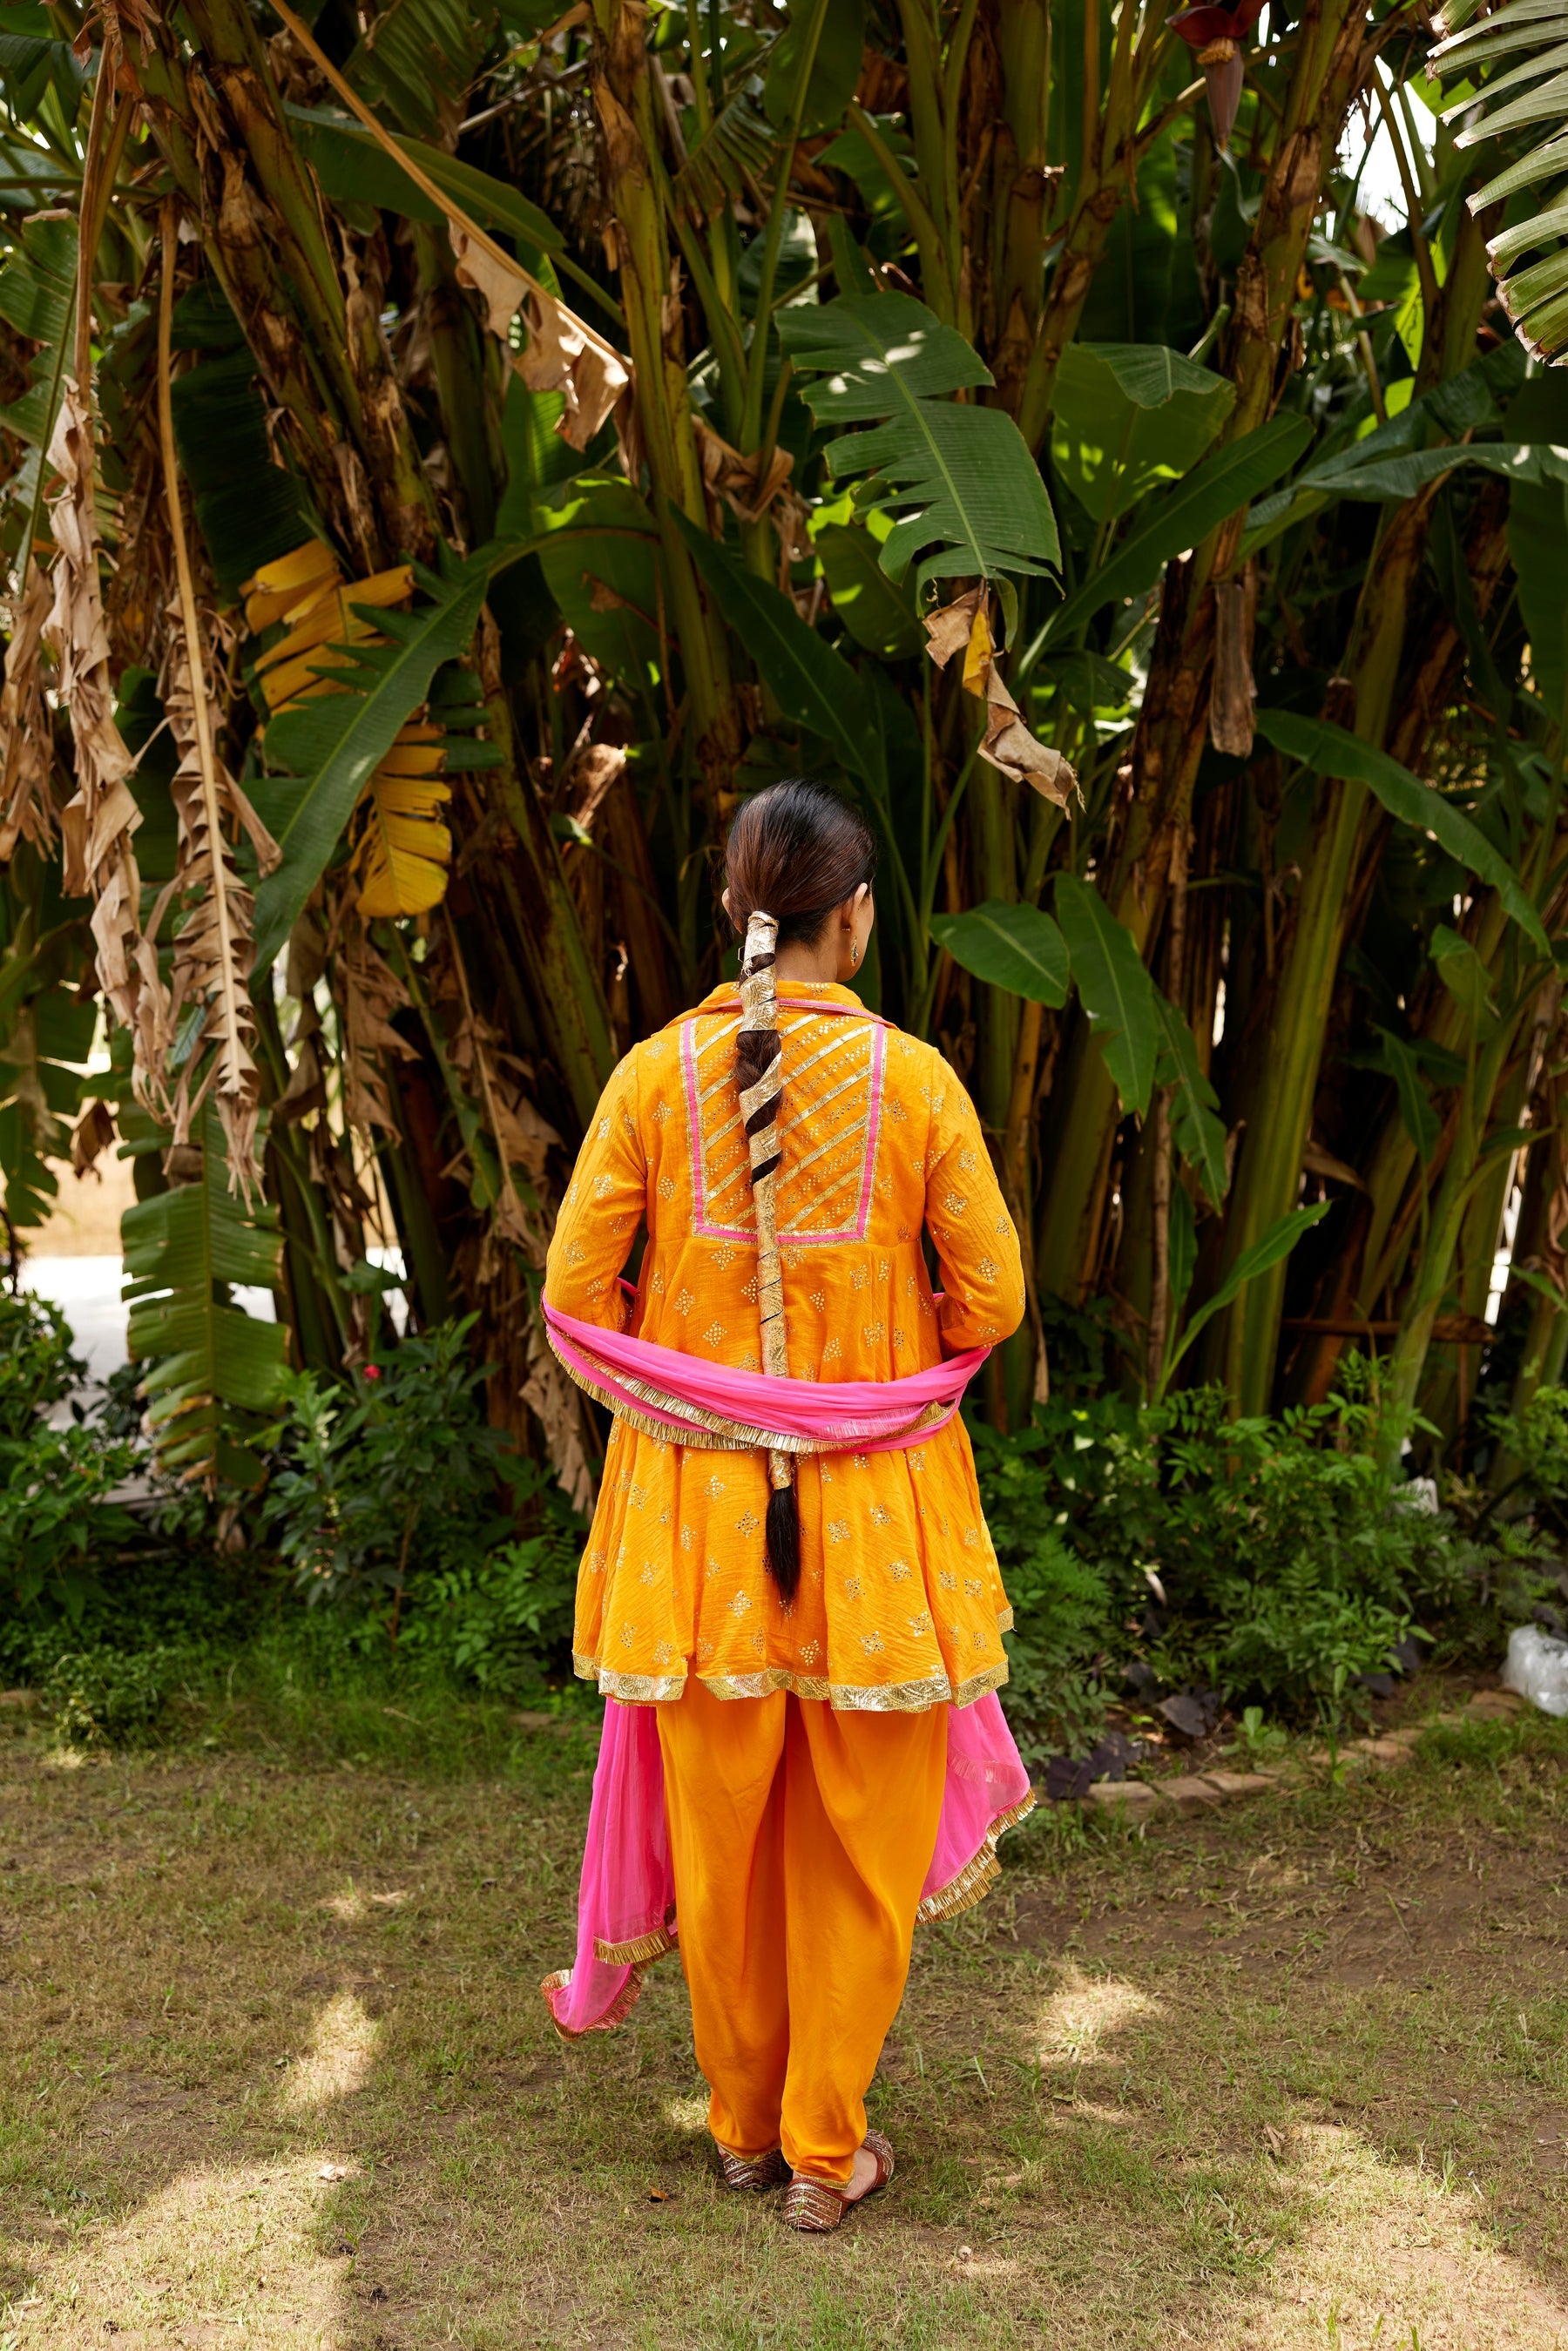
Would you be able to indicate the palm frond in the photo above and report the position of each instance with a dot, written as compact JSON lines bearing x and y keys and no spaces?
{"x":417,"y":59}
{"x":1515,"y":60}
{"x":736,"y":147}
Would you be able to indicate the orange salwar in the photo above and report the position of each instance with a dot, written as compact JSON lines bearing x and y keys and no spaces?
{"x":801,"y":1838}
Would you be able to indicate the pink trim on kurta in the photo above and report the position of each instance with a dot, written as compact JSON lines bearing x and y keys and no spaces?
{"x":626,"y":1898}
{"x":855,"y":1232}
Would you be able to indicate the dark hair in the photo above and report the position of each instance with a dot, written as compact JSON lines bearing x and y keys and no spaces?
{"x":796,"y":852}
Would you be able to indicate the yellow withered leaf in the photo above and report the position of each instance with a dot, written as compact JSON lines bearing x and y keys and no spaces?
{"x":403,"y":851}
{"x":288,"y":587}
{"x":292,"y":667}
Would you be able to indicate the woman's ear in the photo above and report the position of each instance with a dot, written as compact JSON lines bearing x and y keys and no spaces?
{"x":724,"y":902}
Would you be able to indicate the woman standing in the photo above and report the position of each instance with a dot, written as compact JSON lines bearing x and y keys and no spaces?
{"x":789,"y":1568}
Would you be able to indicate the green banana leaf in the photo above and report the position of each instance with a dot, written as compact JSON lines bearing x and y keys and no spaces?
{"x":354,"y":168}
{"x":1128,"y":416}
{"x":835,"y":66}
{"x":214,"y":1371}
{"x":886,"y":361}
{"x":1113,"y":987}
{"x":38,"y":288}
{"x":1185,"y":516}
{"x":1278,"y":1241}
{"x":45,"y":1034}
{"x":599,"y":553}
{"x":249,"y":510}
{"x":878,"y":612}
{"x":1015,"y":947}
{"x":813,"y":685}
{"x":1333,"y":751}
{"x":1421,"y":1121}
{"x":418,"y":60}
{"x":1196,"y":1129}
{"x":33,"y":58}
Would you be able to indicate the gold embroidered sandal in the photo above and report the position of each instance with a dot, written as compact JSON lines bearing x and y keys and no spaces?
{"x":755,"y":2171}
{"x":819,"y":2204}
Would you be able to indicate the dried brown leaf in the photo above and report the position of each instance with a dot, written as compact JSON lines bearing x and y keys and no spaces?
{"x":97,"y":823}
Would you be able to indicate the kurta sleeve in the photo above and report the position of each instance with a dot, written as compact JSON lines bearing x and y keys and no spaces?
{"x":982,"y":1270}
{"x":603,"y":1207}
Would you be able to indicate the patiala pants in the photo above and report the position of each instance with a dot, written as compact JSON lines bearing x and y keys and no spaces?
{"x":800,"y":1839}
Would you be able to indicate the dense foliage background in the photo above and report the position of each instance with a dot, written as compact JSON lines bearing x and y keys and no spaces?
{"x":451,"y":454}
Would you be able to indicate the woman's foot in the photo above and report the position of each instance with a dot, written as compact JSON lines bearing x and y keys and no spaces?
{"x":819,"y":2205}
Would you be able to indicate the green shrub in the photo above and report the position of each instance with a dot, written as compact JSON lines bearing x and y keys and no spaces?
{"x":1265,"y":1559}
{"x":38,"y":1368}
{"x":1536,"y":1441}
{"x":398,"y":1475}
{"x":106,"y":1696}
{"x":498,"y":1621}
{"x":56,"y":1519}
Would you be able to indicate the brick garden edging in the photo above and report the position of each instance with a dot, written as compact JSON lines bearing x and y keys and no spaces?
{"x":1204,"y":1792}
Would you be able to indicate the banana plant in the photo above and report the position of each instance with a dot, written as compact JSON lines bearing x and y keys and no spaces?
{"x":618,"y":411}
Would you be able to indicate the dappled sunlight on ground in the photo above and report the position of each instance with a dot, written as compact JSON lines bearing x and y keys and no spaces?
{"x":218,"y":2256}
{"x":353,"y":1904}
{"x":338,"y":2062}
{"x":1080,"y":2021}
{"x":1391,"y":2253}
{"x":274,"y":2071}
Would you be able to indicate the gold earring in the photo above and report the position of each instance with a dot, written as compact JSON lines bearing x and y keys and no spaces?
{"x":856,"y":955}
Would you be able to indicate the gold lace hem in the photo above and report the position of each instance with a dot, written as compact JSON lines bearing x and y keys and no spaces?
{"x":844,"y":1698}
{"x":977,"y":1877}
{"x":619,"y":2010}
{"x":640,"y":1953}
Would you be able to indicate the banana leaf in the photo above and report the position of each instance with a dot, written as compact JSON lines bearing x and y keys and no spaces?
{"x":1114,"y":988}
{"x":213,"y":1371}
{"x":961,"y":478}
{"x":1016,"y":947}
{"x":1333,"y":751}
{"x":328,"y":746}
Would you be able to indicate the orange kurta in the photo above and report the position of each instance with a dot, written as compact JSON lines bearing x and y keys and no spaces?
{"x":901,"y":1605}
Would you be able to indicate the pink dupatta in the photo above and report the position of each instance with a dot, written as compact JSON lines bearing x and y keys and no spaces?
{"x":686,"y":1401}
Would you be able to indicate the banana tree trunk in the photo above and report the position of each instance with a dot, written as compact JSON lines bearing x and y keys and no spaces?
{"x":1278,"y":1103}
{"x":622,"y":96}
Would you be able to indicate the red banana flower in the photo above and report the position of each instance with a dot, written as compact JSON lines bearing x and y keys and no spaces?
{"x":1218,"y":36}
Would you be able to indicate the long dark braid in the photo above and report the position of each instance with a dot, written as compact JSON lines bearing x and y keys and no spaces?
{"x":796,"y":854}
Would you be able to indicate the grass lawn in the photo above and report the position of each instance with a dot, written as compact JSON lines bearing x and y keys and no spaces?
{"x":274,"y":2070}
